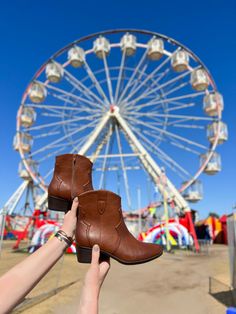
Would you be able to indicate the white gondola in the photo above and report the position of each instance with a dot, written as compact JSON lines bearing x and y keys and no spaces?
{"x":23,"y":140}
{"x":155,"y":49}
{"x":199,"y":80}
{"x":54,"y":72}
{"x":37,"y":93}
{"x":215,"y":128}
{"x":23,"y":173}
{"x":213,"y":104}
{"x":180,"y":61}
{"x":194,"y":192}
{"x":76,"y":56}
{"x":128,"y":44}
{"x":101,"y":47}
{"x":214,"y":164}
{"x":28,"y":116}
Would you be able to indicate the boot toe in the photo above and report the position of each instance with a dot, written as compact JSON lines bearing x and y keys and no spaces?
{"x":152,"y":251}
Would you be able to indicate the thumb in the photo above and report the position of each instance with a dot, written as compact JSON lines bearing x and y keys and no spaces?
{"x":74,"y":206}
{"x":95,"y":255}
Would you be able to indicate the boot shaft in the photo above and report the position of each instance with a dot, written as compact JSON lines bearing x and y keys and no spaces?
{"x":99,"y":215}
{"x":81,"y":176}
{"x":72,"y":176}
{"x":60,"y":184}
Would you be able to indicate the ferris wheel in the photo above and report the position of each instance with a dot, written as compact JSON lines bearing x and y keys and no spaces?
{"x":132,"y":101}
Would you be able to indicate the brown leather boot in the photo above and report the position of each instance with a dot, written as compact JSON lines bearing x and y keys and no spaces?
{"x":72,"y":176}
{"x":100,"y":221}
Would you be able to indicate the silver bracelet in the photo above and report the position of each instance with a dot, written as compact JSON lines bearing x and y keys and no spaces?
{"x":62,"y":236}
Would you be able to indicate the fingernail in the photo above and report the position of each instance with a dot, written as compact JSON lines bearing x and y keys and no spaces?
{"x":96,"y":248}
{"x":76,"y":199}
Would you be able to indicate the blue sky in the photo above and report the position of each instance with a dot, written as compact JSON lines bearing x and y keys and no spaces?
{"x":31,"y":31}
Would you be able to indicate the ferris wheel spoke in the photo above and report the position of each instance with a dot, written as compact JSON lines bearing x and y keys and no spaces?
{"x":101,"y":183}
{"x":95,"y":82}
{"x":82,"y":88}
{"x":48,"y":174}
{"x":66,"y":94}
{"x":56,"y":107}
{"x":168,"y":100}
{"x":173,"y":142}
{"x":163,"y":156}
{"x":45,"y":157}
{"x":108,"y":78}
{"x":138,"y":80}
{"x":63,"y":138}
{"x":178,"y":123}
{"x":121,"y":70}
{"x":54,"y":113}
{"x":176,"y":88}
{"x":166,"y":162}
{"x":48,"y":125}
{"x":157,"y":120}
{"x":174,"y":116}
{"x":188,"y":126}
{"x":180,"y":106}
{"x":62,"y":122}
{"x":146,"y":93}
{"x":135,"y":119}
{"x":41,"y":135}
{"x":127,"y":189}
{"x":150,"y":76}
{"x":167,"y":83}
{"x":155,"y":81}
{"x":176,"y":143}
{"x":132,"y":77}
{"x":170,"y":134}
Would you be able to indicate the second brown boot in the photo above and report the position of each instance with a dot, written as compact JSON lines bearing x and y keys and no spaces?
{"x":71,"y":177}
{"x":100,"y":221}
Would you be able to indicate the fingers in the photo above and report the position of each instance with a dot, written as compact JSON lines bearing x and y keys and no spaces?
{"x":95,"y":255}
{"x":74,"y":206}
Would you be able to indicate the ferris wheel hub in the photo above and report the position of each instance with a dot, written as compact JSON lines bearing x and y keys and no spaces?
{"x":114,"y":108}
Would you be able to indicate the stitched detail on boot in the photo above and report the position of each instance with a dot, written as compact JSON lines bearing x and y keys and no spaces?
{"x":87,"y":225}
{"x":119,"y":238}
{"x":87,"y":186}
{"x":101,"y":206}
{"x":59,"y":181}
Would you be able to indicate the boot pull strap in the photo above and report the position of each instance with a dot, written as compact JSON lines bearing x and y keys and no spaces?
{"x":101,"y":203}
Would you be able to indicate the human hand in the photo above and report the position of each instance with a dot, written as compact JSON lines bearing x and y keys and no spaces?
{"x":70,"y":219}
{"x":97,"y":271}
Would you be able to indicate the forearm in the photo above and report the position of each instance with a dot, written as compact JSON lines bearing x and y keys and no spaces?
{"x":88,"y":300}
{"x":18,"y":281}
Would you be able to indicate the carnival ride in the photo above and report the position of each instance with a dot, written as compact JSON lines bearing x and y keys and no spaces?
{"x":139,"y":104}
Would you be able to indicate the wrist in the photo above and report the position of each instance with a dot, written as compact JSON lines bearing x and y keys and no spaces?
{"x":63,"y":237}
{"x":90,"y":291}
{"x":69,"y":233}
{"x":63,"y":246}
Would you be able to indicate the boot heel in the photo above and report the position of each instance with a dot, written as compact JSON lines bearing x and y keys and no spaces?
{"x":84,"y":255}
{"x":59,"y":204}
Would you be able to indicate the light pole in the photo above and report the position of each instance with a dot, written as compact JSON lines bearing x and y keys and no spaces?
{"x":139,"y":207}
{"x":166,"y":213}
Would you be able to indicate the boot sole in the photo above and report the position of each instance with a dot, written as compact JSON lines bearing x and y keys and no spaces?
{"x":59,"y":204}
{"x":84,"y":255}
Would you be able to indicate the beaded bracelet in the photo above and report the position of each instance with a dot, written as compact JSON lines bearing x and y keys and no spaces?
{"x":62,"y":236}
